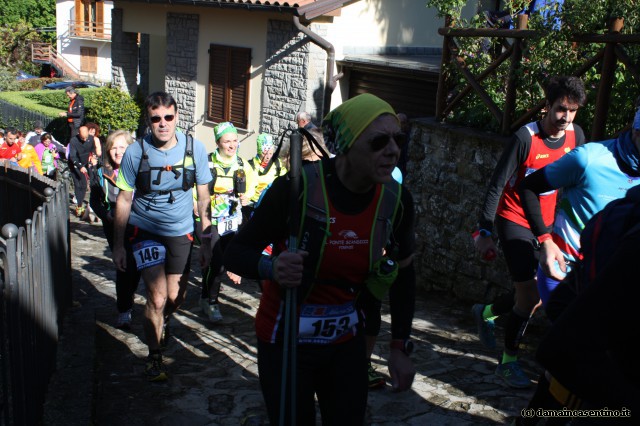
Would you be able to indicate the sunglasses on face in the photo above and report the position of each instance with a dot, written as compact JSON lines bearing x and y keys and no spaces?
{"x":379,"y":142}
{"x":156,"y":118}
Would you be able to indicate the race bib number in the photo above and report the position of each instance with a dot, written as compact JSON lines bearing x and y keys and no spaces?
{"x":148,"y":253}
{"x":228,"y":224}
{"x":322,"y":324}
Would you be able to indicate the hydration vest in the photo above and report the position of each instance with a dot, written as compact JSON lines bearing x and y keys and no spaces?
{"x":265,"y":171}
{"x":143,"y":177}
{"x":316,"y":207}
{"x":214,"y":174}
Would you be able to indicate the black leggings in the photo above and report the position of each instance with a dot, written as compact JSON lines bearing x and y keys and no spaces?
{"x":79,"y":185}
{"x":211,"y":286}
{"x":337,"y":374}
{"x":127,"y":281}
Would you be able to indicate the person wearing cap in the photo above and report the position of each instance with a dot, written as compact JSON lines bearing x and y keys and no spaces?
{"x":263,"y":172}
{"x":75,"y":110}
{"x":231,"y":189}
{"x":356,"y":237}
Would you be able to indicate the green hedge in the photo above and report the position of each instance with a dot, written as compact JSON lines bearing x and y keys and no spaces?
{"x":109,"y":107}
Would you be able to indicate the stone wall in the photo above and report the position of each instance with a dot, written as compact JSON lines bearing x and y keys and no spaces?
{"x":448,"y":171}
{"x":182,"y":64}
{"x":293,"y":77}
{"x":124,"y":55}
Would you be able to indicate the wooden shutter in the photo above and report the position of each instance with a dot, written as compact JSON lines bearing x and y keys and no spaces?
{"x":229,"y":74}
{"x":239,"y":87}
{"x":79,"y":17}
{"x":217,"y":83}
{"x":99,"y":24}
{"x":89,"y":59}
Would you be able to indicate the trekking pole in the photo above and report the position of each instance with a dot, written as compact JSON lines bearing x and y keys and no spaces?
{"x":291,"y":314}
{"x":247,"y":135}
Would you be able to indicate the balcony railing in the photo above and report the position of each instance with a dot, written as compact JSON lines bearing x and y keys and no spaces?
{"x":90,"y":30}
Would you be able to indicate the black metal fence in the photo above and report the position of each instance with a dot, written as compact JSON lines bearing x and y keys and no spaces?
{"x":21,"y":118}
{"x":35,"y":284}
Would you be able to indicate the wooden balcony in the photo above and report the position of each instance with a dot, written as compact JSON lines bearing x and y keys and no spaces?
{"x":90,"y":30}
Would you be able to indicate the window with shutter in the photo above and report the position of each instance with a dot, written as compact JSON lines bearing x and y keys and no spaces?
{"x":228,"y":94}
{"x":89,"y":59}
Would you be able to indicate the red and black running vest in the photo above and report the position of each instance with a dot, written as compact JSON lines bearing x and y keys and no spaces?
{"x":342,"y":250}
{"x":510,"y":206}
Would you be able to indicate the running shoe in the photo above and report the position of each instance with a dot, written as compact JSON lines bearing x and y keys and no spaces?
{"x":513,"y":375}
{"x":154,"y":369}
{"x":486,"y":328}
{"x":79,"y":211}
{"x":376,"y":380}
{"x":211,"y":310}
{"x":124,"y":320}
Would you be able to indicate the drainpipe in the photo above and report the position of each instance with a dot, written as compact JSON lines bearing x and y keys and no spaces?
{"x":330,"y":79}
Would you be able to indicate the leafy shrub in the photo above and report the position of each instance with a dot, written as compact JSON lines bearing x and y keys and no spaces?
{"x":551,"y":52}
{"x":113,"y":109}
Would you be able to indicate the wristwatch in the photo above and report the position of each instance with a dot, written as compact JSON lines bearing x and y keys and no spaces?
{"x":406,"y":345}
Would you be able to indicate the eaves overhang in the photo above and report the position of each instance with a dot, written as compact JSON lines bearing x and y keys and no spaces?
{"x":306,"y":9}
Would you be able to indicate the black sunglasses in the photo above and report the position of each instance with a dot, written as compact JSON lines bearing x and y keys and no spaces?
{"x":379,"y":142}
{"x":156,"y":118}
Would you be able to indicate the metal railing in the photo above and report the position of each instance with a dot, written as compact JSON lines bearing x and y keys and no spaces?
{"x":35,"y":284}
{"x":90,"y":29}
{"x":20,"y":117}
{"x":45,"y":53}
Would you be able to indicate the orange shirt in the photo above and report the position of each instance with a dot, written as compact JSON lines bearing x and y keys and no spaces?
{"x":30,"y":158}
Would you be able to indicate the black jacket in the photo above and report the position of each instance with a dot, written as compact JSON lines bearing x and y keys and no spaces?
{"x":77,"y":111}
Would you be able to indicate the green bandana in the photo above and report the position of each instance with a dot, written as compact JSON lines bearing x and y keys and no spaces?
{"x":350,"y":119}
{"x":223,"y":128}
{"x":264,"y":143}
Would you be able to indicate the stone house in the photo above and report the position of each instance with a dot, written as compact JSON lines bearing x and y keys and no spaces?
{"x":83,"y":46}
{"x":258,"y":63}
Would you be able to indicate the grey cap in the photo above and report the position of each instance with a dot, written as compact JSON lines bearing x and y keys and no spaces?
{"x":70,"y":89}
{"x":38,"y":125}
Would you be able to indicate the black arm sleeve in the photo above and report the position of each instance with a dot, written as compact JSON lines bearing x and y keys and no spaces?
{"x":402,"y":294}
{"x":534,"y":184}
{"x":402,"y":298}
{"x":513,"y":155}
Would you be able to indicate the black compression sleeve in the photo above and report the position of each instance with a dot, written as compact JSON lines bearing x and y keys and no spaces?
{"x":514,"y":154}
{"x":267,"y":225}
{"x":534,"y":184}
{"x":402,"y":296}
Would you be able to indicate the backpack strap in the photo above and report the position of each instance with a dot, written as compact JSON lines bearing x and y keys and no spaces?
{"x":315,"y":205}
{"x":189,"y":174}
{"x":143,"y":177}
